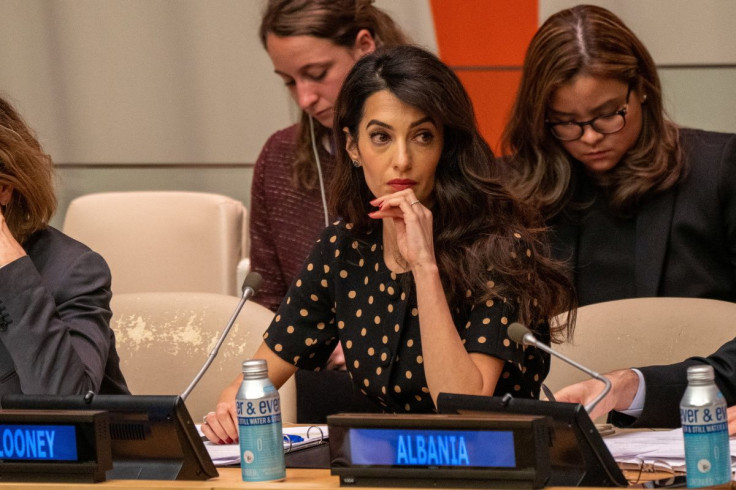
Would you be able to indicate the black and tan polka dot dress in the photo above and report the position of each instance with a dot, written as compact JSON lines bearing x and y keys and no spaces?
{"x":345,"y":292}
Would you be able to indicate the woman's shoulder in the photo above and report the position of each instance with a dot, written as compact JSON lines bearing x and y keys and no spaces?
{"x":341,"y":235}
{"x":51,"y":249}
{"x":710,"y":155}
{"x":276,"y":159}
{"x":283,"y":139}
{"x":693,"y":139}
{"x":337,"y":231}
{"x":49,"y":238}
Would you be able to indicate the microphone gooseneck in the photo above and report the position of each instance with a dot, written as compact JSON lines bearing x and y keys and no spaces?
{"x":250,"y":286}
{"x":523,"y":336}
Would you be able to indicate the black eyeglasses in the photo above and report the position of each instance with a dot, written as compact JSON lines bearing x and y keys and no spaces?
{"x":605,"y":124}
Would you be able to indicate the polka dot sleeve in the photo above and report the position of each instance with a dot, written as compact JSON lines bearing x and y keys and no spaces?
{"x":303,"y":331}
{"x":486,"y":331}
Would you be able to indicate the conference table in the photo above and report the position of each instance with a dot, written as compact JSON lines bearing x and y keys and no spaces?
{"x":296,"y":478}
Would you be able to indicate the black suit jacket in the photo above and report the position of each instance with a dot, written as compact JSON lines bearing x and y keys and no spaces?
{"x":55,"y":336}
{"x":685,"y":247}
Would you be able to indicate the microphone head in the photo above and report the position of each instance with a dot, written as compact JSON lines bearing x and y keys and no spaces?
{"x":518,"y":332}
{"x":253,"y":281}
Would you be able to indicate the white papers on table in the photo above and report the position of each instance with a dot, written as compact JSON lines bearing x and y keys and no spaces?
{"x":229,"y":454}
{"x":652,"y":450}
{"x":223,"y":454}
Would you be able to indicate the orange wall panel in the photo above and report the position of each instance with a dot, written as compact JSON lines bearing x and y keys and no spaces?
{"x":484,"y":41}
{"x":492,"y":93}
{"x":484,"y":32}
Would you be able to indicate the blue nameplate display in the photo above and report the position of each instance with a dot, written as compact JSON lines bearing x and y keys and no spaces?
{"x":38,"y":442}
{"x":55,"y":446}
{"x":440,"y":450}
{"x":413,"y":447}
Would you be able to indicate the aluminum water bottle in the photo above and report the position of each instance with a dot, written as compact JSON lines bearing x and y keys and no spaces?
{"x":705,"y":429}
{"x":259,"y":425}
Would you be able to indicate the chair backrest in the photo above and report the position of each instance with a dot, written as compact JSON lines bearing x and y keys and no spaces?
{"x":642,"y":332}
{"x":163,"y":340}
{"x":163,"y":240}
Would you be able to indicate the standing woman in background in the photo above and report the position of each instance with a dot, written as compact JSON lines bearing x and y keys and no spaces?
{"x":431,"y":262}
{"x":313,"y":44}
{"x":55,"y":336}
{"x":637,"y":206}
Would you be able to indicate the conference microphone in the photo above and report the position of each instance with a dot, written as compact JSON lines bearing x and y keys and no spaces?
{"x":523,"y":336}
{"x":250,"y":286}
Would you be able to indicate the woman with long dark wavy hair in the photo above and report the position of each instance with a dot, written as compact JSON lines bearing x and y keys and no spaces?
{"x":637,"y":205}
{"x":431,"y":261}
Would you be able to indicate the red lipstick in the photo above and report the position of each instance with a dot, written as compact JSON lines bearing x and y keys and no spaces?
{"x":401,"y":184}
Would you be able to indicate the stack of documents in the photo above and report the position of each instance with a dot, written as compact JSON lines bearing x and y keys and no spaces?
{"x":295,"y":438}
{"x":652,"y":450}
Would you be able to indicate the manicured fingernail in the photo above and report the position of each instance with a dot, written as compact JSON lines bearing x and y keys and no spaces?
{"x":229,"y":441}
{"x":220,"y":441}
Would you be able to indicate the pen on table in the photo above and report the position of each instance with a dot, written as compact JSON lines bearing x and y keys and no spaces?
{"x":287,"y":438}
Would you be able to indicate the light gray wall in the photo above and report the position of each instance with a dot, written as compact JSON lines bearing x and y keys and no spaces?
{"x":140,"y":81}
{"x":151,"y":94}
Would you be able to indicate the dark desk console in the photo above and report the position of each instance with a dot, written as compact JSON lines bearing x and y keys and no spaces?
{"x":150,"y":437}
{"x":486,"y":450}
{"x":54,"y":446}
{"x":578,"y":455}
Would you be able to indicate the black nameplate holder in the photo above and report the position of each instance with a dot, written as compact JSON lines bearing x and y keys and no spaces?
{"x":578,"y":455}
{"x":152,"y":437}
{"x":446,"y":451}
{"x":54,"y":446}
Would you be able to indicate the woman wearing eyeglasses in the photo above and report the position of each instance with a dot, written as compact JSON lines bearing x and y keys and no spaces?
{"x":636,"y":205}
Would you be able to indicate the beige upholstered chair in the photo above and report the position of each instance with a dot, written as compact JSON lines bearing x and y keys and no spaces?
{"x":163,"y":340}
{"x":643,"y":331}
{"x":164,"y":240}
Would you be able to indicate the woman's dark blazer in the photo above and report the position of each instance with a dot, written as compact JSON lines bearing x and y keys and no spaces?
{"x":685,"y":247}
{"x":55,"y":335}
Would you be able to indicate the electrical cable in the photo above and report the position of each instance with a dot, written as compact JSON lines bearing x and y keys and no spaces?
{"x":319,"y":172}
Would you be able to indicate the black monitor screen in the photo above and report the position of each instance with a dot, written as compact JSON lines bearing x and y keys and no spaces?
{"x":153,"y":437}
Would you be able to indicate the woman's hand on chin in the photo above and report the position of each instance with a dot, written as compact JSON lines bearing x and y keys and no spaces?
{"x":413,"y":223}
